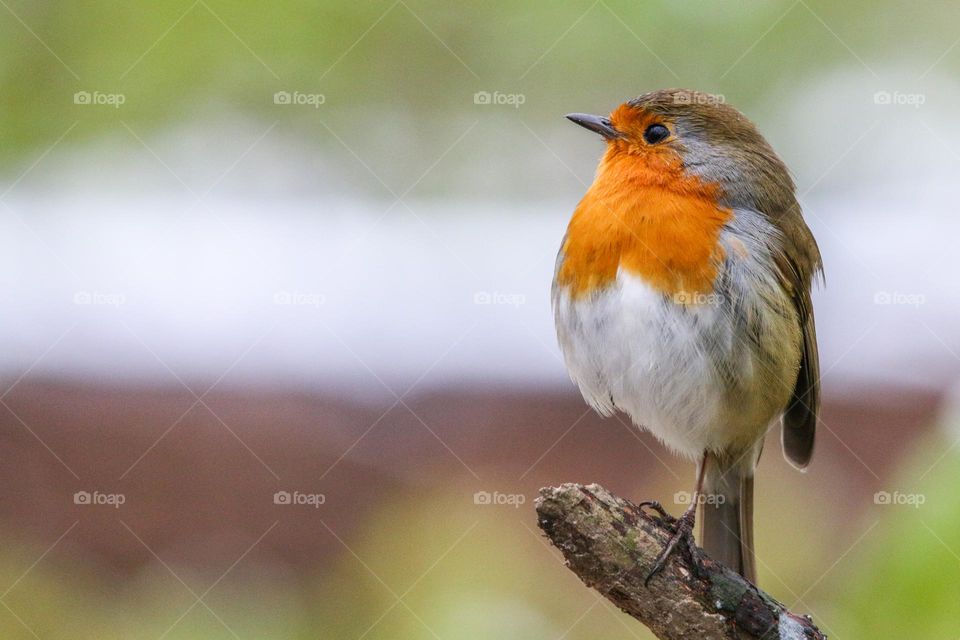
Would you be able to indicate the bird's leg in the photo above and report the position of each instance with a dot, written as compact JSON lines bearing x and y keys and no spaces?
{"x":683,"y":529}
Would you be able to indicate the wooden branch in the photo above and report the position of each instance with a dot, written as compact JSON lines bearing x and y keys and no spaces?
{"x":611,"y":544}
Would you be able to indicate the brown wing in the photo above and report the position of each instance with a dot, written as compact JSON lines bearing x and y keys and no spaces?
{"x":799,"y":263}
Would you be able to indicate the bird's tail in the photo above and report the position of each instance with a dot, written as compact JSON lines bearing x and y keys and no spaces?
{"x":727,"y":517}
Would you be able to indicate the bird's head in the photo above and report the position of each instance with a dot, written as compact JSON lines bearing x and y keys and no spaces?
{"x":675,"y":138}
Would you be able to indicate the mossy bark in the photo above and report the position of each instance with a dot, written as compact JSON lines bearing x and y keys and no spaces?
{"x":611,"y":544}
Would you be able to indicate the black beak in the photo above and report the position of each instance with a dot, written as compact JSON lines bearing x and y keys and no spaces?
{"x":597,"y":124}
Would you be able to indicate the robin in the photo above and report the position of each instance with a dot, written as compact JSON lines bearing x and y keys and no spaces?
{"x":682,"y":299}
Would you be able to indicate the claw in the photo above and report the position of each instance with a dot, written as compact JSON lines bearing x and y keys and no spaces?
{"x":656,"y":506}
{"x":684,"y":531}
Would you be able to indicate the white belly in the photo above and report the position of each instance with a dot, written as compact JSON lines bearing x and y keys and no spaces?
{"x":707,"y":376}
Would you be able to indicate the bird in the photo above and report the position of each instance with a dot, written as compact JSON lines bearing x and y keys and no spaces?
{"x":682,"y":299}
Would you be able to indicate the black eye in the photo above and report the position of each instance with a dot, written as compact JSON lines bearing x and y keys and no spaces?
{"x":656,"y":133}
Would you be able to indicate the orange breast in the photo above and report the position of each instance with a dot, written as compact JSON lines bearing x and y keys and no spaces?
{"x":645,"y":215}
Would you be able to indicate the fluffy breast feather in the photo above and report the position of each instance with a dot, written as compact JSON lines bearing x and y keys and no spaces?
{"x":700,"y":369}
{"x":647,"y":217}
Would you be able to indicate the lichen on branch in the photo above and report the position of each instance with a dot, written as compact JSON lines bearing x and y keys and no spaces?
{"x":612,"y":545}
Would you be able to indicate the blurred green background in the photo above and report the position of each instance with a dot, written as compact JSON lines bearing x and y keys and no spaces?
{"x":401,"y":550}
{"x":398,"y":78}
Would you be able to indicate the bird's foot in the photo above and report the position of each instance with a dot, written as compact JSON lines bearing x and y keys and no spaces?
{"x":683,"y":532}
{"x":664,"y":517}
